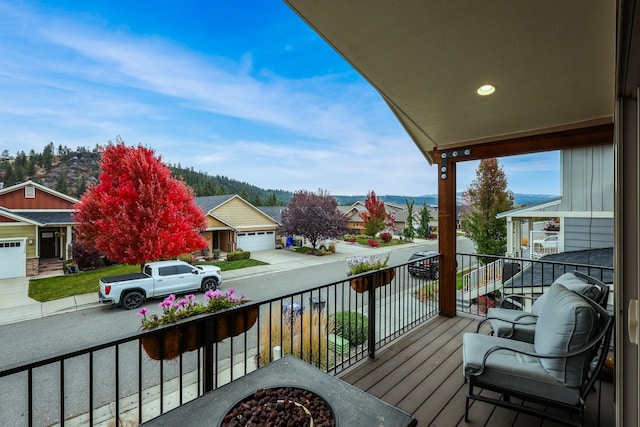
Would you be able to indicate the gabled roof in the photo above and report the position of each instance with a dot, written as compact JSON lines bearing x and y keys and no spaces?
{"x":209,"y":203}
{"x":17,"y":217}
{"x":47,"y":218}
{"x":274,"y":212}
{"x":528,"y":211}
{"x":39,"y":187}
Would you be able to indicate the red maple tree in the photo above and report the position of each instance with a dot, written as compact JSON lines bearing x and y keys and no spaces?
{"x":138,"y":212}
{"x":375,"y":218}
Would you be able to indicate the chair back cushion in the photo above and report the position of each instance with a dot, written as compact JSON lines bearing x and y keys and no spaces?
{"x":567,"y":321}
{"x":571,"y":282}
{"x":575,"y":284}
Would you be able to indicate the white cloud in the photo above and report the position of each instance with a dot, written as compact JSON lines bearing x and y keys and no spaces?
{"x":75,"y":80}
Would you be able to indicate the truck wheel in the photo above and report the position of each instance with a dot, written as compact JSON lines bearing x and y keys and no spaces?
{"x":132,"y":300}
{"x":209,"y":283}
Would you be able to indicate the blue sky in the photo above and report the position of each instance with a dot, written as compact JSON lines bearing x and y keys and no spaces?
{"x":237,"y":88}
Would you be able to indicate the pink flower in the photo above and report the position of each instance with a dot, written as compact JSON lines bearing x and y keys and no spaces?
{"x":213,"y":294}
{"x":143,"y":311}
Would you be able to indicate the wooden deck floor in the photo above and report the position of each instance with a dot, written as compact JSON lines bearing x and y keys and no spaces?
{"x":422,"y":374}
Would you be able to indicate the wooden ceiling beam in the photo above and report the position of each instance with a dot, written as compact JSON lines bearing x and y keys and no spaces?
{"x":561,"y":140}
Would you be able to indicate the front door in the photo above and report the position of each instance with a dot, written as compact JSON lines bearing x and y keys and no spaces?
{"x":47,"y":244}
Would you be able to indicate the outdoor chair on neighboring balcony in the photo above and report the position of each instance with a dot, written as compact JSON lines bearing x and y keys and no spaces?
{"x":521,"y":325}
{"x":555,"y":370}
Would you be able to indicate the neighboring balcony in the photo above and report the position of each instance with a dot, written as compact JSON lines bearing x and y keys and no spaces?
{"x":391,"y":343}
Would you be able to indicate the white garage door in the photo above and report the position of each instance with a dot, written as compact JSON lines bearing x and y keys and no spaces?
{"x":257,"y":240}
{"x":13,"y":258}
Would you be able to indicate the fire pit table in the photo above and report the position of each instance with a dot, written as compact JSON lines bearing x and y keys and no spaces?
{"x":350,"y":406}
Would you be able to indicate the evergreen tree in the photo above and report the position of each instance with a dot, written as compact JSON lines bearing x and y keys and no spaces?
{"x":61,"y":185}
{"x":425,"y":219}
{"x":47,"y":156}
{"x":82,"y":186}
{"x":409,"y":231}
{"x":488,"y":196}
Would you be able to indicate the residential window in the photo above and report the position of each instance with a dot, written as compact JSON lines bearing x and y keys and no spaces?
{"x":30,"y":192}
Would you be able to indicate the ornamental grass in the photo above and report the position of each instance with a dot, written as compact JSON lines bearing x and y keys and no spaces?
{"x":302,"y":335}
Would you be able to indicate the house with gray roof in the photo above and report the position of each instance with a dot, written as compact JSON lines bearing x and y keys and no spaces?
{"x":35,"y":224}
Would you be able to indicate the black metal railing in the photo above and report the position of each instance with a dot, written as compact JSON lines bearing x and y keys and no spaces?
{"x":483,"y":281}
{"x":141,"y":375}
{"x":333,"y":327}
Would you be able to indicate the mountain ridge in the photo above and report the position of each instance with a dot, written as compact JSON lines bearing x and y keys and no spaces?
{"x":69,"y":171}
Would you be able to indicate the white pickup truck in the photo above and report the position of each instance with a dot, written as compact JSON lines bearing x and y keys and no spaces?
{"x":157,"y":279}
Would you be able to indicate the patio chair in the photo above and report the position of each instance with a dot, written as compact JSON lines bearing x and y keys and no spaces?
{"x":521,"y":325}
{"x":556,"y":370}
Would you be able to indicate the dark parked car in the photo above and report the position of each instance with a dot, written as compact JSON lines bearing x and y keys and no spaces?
{"x":425,"y":266}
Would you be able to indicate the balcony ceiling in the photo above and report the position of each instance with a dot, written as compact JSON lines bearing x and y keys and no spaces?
{"x":552,"y":63}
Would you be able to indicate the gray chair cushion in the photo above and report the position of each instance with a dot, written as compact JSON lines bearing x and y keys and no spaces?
{"x":536,"y":308}
{"x":513,"y":371}
{"x":499,"y":320}
{"x":566,"y":322}
{"x":575,"y":284}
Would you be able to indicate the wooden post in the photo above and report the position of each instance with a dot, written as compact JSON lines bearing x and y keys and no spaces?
{"x":447,"y":239}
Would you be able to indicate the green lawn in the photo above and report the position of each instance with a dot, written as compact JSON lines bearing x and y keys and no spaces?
{"x":86,"y":282}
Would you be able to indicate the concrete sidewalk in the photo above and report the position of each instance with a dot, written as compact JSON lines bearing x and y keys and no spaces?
{"x":16,"y":306}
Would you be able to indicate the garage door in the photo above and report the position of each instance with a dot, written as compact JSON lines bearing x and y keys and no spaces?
{"x":257,"y":240}
{"x":13,"y":259}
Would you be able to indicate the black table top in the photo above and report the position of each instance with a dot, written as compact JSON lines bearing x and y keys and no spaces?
{"x":351,"y":406}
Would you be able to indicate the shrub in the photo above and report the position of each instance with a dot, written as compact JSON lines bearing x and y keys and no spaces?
{"x":386,"y":237}
{"x":186,"y":257}
{"x":86,"y":256}
{"x":332,"y":248}
{"x":428,"y":292}
{"x":351,"y":325}
{"x":238,"y":255}
{"x":374,"y":243}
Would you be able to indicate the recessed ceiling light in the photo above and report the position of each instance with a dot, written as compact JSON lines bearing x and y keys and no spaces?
{"x":485,"y":90}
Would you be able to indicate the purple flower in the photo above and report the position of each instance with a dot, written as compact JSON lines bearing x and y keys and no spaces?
{"x":143,"y":311}
{"x":190,"y":297}
{"x":182,"y":303}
